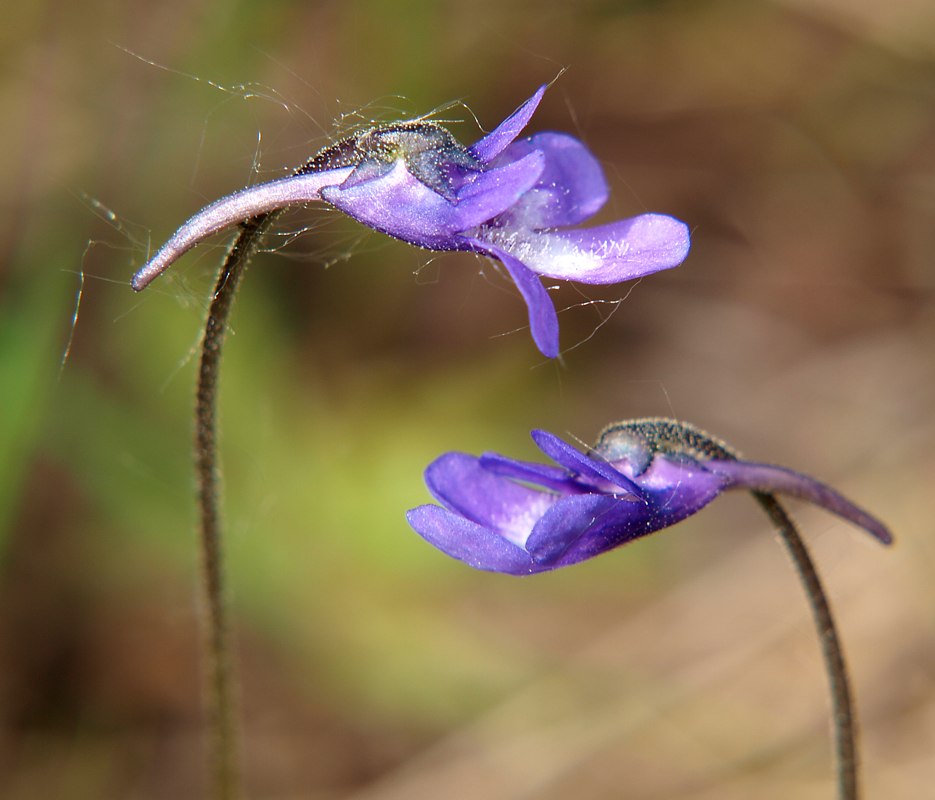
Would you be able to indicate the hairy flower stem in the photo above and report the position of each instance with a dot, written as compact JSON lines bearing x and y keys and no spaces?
{"x":843,"y":717}
{"x":844,"y":722}
{"x":842,"y":706}
{"x":220,"y":673}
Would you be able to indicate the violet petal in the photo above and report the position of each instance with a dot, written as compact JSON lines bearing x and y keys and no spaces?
{"x":568,"y":522}
{"x":467,"y":541}
{"x":543,"y":321}
{"x":400,"y":205}
{"x":673,"y":491}
{"x":459,"y":482}
{"x":531,"y":471}
{"x":571,"y":188}
{"x":569,"y":457}
{"x":495,"y":142}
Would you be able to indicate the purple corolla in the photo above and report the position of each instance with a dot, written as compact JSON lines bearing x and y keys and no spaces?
{"x":507,"y":198}
{"x":521,"y":518}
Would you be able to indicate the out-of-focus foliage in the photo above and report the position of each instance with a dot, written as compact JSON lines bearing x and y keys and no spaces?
{"x":798,"y":139}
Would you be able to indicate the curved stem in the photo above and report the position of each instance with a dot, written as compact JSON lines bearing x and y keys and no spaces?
{"x":220,"y":675}
{"x":845,"y":723}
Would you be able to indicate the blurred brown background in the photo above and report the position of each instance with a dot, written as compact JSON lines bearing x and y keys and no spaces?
{"x":798,"y":140}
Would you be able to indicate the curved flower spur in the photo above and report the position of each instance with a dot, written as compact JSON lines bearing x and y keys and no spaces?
{"x":508,"y":198}
{"x":520,"y":518}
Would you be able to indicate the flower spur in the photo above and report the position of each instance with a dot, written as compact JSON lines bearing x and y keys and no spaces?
{"x":511,"y":199}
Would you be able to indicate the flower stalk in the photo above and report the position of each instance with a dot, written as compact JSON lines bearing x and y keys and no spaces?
{"x":843,"y":715}
{"x":220,"y":677}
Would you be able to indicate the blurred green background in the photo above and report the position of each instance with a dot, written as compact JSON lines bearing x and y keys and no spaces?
{"x":797,"y":139}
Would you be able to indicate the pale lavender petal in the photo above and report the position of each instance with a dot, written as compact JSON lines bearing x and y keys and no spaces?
{"x":563,"y":453}
{"x":400,"y":205}
{"x":459,"y":482}
{"x":571,"y":188}
{"x":235,"y":209}
{"x":460,"y":538}
{"x":610,"y":253}
{"x":495,"y":142}
{"x":543,"y":321}
{"x":769,"y":478}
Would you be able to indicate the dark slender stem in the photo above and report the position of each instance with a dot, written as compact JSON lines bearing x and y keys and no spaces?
{"x":220,"y":673}
{"x":845,"y":724}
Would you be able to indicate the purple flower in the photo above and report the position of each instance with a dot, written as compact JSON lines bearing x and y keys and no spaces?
{"x":507,"y":198}
{"x":520,"y":518}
